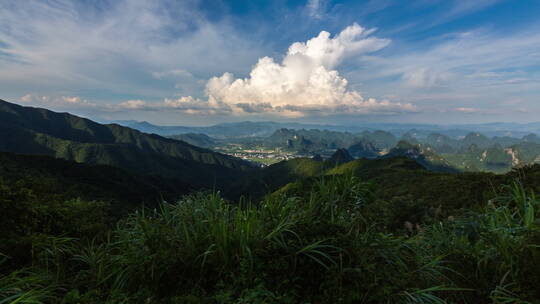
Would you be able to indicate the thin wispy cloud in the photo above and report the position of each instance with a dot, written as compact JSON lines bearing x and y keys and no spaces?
{"x":62,"y":45}
{"x":183,"y":59}
{"x":316,"y":8}
{"x":488,"y":68}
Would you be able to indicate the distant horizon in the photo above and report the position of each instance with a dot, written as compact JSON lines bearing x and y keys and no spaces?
{"x":322,"y":124}
{"x":326,"y":124}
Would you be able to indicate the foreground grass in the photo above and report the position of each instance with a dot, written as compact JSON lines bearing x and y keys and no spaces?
{"x":334,"y":244}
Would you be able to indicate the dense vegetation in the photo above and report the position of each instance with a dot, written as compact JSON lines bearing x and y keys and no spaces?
{"x":124,"y":191}
{"x":336,"y":242}
{"x":398,"y":177}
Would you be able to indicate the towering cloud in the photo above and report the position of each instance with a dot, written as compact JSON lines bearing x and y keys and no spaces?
{"x":305,"y":82}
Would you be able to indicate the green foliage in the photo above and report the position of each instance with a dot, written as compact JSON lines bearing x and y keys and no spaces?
{"x":51,"y":179}
{"x":25,"y":287}
{"x":367,"y":231}
{"x":27,"y":220}
{"x":496,"y":250}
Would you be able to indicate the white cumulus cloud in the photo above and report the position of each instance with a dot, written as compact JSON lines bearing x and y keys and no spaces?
{"x":305,"y":82}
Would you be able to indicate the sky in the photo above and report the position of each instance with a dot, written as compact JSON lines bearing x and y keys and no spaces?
{"x":198,"y":62}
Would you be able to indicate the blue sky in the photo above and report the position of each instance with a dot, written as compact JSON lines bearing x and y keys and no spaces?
{"x":201,"y":62}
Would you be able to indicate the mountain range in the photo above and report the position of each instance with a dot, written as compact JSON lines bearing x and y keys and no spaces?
{"x":471,"y":152}
{"x":266,"y":128}
{"x":27,"y":130}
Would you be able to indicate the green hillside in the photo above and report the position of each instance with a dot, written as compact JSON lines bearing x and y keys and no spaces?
{"x":425,"y":156}
{"x":271,"y":178}
{"x":401,"y":177}
{"x":363,"y":148}
{"x":53,"y":178}
{"x":196,"y":139}
{"x":27,"y":130}
{"x":42,"y":196}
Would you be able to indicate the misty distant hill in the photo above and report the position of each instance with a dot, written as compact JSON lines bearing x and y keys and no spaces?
{"x":267,"y":128}
{"x":223,"y":130}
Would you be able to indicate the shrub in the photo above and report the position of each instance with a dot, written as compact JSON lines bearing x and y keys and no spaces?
{"x":331,"y":242}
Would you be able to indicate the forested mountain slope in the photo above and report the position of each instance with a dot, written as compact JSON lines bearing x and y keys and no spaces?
{"x":51,"y":178}
{"x":27,"y":130}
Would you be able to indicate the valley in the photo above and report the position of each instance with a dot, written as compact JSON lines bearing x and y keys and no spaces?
{"x":470,"y":152}
{"x":259,"y":155}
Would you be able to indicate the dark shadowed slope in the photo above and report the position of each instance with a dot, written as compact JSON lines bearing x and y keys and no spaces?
{"x":52,"y":178}
{"x":27,"y":130}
